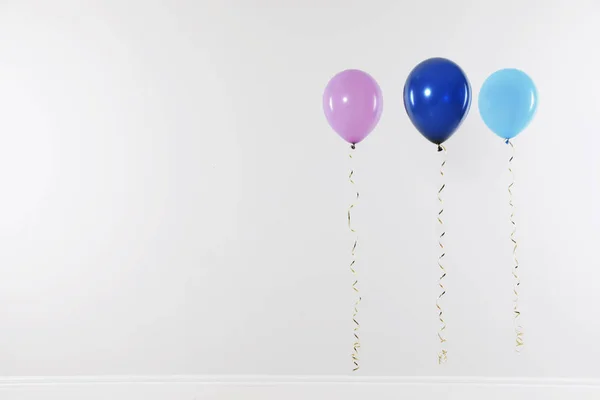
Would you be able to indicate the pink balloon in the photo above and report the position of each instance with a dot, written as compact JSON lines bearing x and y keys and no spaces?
{"x":353,"y":104}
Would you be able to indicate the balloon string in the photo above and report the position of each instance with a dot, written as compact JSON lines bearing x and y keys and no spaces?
{"x":517,"y":280}
{"x":356,"y":344}
{"x":443,"y":354}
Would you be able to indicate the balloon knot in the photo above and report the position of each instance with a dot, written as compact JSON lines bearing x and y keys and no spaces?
{"x":440,"y":148}
{"x":352,"y":146}
{"x":506,"y":141}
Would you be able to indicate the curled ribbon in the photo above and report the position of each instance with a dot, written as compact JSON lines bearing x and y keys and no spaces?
{"x":516,"y":313}
{"x":356,"y":344}
{"x":443,"y":354}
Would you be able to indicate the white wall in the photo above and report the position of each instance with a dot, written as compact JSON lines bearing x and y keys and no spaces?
{"x":173,"y":201}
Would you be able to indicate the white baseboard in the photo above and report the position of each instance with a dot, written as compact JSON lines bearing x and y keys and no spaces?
{"x":294,"y":388}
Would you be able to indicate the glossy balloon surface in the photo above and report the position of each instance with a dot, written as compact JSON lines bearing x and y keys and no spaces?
{"x":353,"y":104}
{"x":437,"y":98}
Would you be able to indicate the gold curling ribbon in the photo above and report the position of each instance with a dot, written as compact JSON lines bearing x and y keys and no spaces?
{"x":443,"y":354}
{"x":356,"y":344}
{"x":516,"y":313}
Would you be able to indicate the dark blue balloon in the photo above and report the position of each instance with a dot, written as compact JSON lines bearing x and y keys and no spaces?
{"x":437,"y":98}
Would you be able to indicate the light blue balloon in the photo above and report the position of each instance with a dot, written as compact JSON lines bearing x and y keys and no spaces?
{"x":508,"y":100}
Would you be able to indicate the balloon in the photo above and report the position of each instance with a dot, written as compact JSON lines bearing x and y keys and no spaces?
{"x":437,"y":98}
{"x":508,"y":100}
{"x":352,"y":103}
